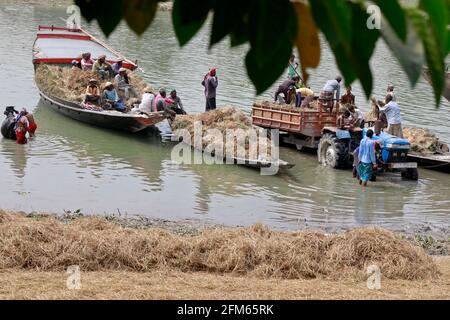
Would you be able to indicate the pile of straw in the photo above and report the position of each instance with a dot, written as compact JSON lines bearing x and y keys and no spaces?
{"x":70,"y":84}
{"x":374,"y":114}
{"x":313,"y":106}
{"x":223,"y":119}
{"x":94,"y":244}
{"x":422,"y":140}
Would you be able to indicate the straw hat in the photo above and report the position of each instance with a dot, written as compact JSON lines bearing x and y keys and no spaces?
{"x":108,"y":84}
{"x":122,"y":70}
{"x":92,"y":81}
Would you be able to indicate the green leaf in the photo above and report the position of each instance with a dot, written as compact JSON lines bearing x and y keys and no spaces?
{"x":108,"y":13}
{"x":395,"y":15}
{"x":139,"y":14}
{"x":438,"y":13}
{"x":188,"y":16}
{"x":333,"y":17}
{"x":409,"y":54}
{"x":272,"y":31}
{"x":433,"y":51}
{"x":363,"y":45}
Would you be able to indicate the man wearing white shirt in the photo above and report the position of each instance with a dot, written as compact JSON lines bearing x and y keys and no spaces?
{"x":393,"y":115}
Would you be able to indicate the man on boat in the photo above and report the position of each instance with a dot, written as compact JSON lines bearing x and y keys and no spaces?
{"x":348,"y":97}
{"x":147,"y":100}
{"x":178,"y":105}
{"x":393,"y":115}
{"x":76,"y":65}
{"x":159,"y":104}
{"x":367,"y":159}
{"x":103,"y":68}
{"x":93,"y":93}
{"x":111,"y":98}
{"x":210,"y":82}
{"x":123,"y":82}
{"x":117,"y":66}
{"x":86,"y":62}
{"x":327,"y":95}
{"x":286,"y":87}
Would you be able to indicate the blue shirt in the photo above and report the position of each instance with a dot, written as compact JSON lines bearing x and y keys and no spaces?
{"x":111,"y":95}
{"x":393,"y":114}
{"x":367,"y":151}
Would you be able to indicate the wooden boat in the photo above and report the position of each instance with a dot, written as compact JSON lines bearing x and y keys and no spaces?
{"x":437,"y":162}
{"x":446,"y":93}
{"x":60,"y":46}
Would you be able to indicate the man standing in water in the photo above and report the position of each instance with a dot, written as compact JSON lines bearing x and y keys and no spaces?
{"x":367,"y":159}
{"x":210,"y":83}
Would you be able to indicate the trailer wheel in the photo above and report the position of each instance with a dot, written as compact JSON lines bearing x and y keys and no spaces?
{"x":333,"y":152}
{"x":411,"y":174}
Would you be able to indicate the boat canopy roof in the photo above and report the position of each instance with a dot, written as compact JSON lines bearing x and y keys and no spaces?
{"x":62,"y":45}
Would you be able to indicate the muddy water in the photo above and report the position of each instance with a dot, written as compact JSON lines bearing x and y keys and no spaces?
{"x":74,"y":166}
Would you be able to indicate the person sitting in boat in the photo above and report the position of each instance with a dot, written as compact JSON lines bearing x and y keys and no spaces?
{"x":117,"y":66}
{"x":177,"y":105}
{"x":159,"y":104}
{"x":76,"y":65}
{"x":21,"y":127}
{"x":93,"y":93}
{"x":147,"y":100}
{"x":111,"y":99}
{"x":123,"y":82}
{"x":103,"y":68}
{"x":328,"y":93}
{"x":86,"y":62}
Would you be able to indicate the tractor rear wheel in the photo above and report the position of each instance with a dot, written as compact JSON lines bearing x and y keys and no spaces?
{"x":411,"y":174}
{"x":333,"y":152}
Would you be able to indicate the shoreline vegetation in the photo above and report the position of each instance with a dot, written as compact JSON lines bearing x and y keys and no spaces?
{"x":203,"y":262}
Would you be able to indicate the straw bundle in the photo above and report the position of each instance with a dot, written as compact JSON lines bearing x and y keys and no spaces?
{"x":224,"y":119}
{"x":422,"y":140}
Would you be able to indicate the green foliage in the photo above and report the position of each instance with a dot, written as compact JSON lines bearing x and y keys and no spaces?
{"x":416,"y":35}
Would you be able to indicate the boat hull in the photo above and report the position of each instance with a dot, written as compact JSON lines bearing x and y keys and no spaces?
{"x":432,"y":162}
{"x":115,"y":121}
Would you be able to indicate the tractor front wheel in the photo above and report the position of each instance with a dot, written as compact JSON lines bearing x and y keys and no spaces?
{"x":333,"y":152}
{"x":411,"y":174}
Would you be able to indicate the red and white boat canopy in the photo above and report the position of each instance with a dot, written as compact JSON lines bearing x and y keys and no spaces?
{"x":62,"y":46}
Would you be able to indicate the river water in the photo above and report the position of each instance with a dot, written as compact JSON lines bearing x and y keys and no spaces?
{"x":73,"y":166}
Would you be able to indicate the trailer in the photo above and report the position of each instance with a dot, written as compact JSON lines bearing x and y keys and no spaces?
{"x":317,"y":130}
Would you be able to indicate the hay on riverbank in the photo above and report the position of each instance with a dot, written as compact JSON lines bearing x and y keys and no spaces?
{"x":94,"y":244}
{"x":70,"y":84}
{"x":215,"y":126}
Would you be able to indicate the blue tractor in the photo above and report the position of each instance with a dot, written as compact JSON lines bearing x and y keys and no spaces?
{"x":336,"y":149}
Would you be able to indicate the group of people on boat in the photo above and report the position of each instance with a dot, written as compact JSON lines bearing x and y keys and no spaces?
{"x":118,"y":90}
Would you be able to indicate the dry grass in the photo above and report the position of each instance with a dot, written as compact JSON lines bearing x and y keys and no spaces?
{"x":214,"y":133}
{"x":95,"y":244}
{"x":19,"y":284}
{"x":70,"y":84}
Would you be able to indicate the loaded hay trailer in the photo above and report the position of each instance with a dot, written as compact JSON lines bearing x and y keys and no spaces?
{"x":317,"y":130}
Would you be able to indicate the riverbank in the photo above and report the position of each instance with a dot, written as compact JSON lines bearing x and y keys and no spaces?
{"x":143,"y":259}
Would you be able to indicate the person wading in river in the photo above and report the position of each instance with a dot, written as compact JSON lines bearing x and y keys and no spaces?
{"x":367,"y":159}
{"x":210,"y":82}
